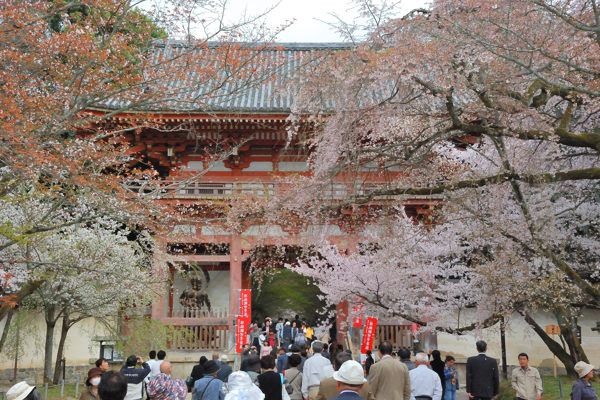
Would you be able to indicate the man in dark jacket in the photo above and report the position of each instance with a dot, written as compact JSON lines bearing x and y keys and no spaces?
{"x":269,"y":381}
{"x":483,"y":380}
{"x":225,"y":370}
{"x":295,"y":349}
{"x":135,"y":376}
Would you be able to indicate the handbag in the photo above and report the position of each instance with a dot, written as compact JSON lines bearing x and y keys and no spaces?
{"x":188,"y":382}
{"x":288,"y":385}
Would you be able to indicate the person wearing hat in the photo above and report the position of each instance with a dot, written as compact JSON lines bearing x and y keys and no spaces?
{"x":209,"y":387}
{"x":225,"y":370}
{"x":329,"y":389}
{"x":350,"y":380}
{"x":582,"y":388}
{"x":294,"y":349}
{"x":240,"y":387}
{"x":253,"y":368}
{"x":23,"y":391}
{"x":287,"y":334}
{"x":163,"y":387}
{"x":92,"y":382}
{"x":281,"y":359}
{"x":197,"y":371}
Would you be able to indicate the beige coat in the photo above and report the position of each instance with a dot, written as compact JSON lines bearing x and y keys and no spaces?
{"x":389,"y":380}
{"x":329,"y":390}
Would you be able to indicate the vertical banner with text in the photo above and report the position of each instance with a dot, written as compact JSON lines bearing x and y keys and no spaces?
{"x":243,"y":320}
{"x":357,"y":318}
{"x":240,"y":333}
{"x":368,"y":334}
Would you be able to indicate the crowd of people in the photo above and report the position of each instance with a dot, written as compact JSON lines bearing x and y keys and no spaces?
{"x":312,"y":370}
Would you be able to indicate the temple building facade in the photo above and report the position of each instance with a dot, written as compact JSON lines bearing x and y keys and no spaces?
{"x":239,"y":147}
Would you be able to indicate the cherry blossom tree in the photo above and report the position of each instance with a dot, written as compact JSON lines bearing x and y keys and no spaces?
{"x":67,"y":68}
{"x":490,"y":111}
{"x":87,"y":271}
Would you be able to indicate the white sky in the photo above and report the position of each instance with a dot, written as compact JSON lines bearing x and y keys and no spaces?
{"x":306,"y":28}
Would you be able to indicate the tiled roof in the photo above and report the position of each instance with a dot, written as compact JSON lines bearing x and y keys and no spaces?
{"x":247,"y":94}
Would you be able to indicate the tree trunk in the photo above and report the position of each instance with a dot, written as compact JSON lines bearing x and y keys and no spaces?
{"x":66,"y":324}
{"x":6,"y":328}
{"x":50,"y":324}
{"x":553,"y":346}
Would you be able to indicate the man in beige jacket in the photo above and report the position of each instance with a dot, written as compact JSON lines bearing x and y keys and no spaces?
{"x":389,"y":378}
{"x":329,"y":389}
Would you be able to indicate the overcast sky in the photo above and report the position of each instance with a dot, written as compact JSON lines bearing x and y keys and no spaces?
{"x":307,"y":27}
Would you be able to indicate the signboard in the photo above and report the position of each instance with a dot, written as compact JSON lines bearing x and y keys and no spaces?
{"x":553,"y":329}
{"x":240,"y":332}
{"x":245,"y":299}
{"x":357,"y":319}
{"x":368,"y":335}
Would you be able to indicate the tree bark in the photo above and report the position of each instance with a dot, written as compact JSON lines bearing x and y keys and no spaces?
{"x":66,"y":324}
{"x":49,"y":345}
{"x":11,"y":312}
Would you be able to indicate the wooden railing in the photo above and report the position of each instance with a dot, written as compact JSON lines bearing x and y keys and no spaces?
{"x":212,"y":189}
{"x":398,"y":335}
{"x":180,"y":312}
{"x":200,"y":337}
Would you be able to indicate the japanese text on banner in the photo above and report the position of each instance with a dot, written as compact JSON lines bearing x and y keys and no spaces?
{"x":245,"y":306}
{"x":368,"y":334}
{"x":240,"y":332}
{"x":357,"y":320}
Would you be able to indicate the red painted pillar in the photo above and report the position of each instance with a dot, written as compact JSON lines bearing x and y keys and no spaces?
{"x":235,"y":284}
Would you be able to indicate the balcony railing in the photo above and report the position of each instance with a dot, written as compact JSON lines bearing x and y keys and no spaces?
{"x":213,"y":189}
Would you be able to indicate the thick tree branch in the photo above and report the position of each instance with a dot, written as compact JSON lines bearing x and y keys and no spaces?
{"x":575,"y":175}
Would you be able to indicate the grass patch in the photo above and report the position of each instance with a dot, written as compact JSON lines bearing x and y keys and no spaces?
{"x":54,"y":391}
{"x":551,"y":388}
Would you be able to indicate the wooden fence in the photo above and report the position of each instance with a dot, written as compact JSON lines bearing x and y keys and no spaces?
{"x":200,"y":337}
{"x":398,"y":335}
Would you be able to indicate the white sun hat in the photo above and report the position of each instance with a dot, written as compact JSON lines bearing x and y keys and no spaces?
{"x":19,"y":391}
{"x":583,"y":368}
{"x":351,"y":372}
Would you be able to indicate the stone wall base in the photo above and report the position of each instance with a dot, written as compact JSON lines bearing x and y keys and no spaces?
{"x":73,"y":373}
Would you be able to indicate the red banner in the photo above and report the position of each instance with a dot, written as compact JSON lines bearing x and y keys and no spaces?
{"x":357,"y":319}
{"x":414,"y":328}
{"x":245,"y":299}
{"x":243,"y":320}
{"x":368,"y":335}
{"x":240,"y":332}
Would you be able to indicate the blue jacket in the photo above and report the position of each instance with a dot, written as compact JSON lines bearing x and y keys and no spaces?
{"x":208,"y":388}
{"x":583,"y":390}
{"x":281,"y":361}
{"x":448,"y":375}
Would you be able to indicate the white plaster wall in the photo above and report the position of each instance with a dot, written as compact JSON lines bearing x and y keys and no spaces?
{"x":521,"y":338}
{"x":79,"y":347}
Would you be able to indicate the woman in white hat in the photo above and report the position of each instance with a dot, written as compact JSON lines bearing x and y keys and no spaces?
{"x":240,"y":387}
{"x":23,"y":391}
{"x":582,"y":388}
